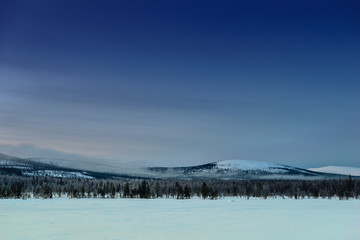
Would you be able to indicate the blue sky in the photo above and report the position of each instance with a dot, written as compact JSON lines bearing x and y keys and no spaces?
{"x":182,"y":82}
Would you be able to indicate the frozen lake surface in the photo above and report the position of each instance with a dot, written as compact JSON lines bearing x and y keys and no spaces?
{"x":230,"y":218}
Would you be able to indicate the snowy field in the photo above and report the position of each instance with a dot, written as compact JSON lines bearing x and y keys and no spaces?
{"x":180,"y":219}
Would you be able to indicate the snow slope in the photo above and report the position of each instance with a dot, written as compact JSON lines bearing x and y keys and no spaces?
{"x":353,"y":171}
{"x":57,"y":174}
{"x":247,"y":165}
{"x":235,"y":169}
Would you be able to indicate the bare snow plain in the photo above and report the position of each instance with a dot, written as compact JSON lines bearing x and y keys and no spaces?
{"x":228,"y":218}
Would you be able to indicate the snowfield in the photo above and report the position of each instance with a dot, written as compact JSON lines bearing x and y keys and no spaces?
{"x":353,"y":171}
{"x":230,"y":218}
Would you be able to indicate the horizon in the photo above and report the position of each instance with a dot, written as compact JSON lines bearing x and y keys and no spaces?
{"x":80,"y":161}
{"x":181,"y":83}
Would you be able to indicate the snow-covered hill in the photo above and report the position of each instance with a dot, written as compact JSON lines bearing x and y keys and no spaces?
{"x":225,"y":170}
{"x":353,"y":171}
{"x":236,"y":169}
{"x":10,"y":165}
{"x":246,"y":165}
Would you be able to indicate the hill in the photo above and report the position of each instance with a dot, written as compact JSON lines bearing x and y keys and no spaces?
{"x":224,"y":170}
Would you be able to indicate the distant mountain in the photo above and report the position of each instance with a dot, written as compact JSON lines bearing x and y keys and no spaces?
{"x":10,"y":165}
{"x":225,"y":170}
{"x":353,"y":171}
{"x":238,"y":169}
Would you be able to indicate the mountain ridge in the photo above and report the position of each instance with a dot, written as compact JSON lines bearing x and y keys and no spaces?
{"x":225,"y":170}
{"x":237,"y":169}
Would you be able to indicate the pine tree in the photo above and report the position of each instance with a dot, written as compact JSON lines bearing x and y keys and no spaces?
{"x":126,"y":190}
{"x":204,"y":191}
{"x":144,"y":190}
{"x":186,"y":192}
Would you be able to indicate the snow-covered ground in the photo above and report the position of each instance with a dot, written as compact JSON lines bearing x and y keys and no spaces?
{"x":338,"y":170}
{"x":231,"y":218}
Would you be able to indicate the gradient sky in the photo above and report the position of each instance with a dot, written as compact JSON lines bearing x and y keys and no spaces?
{"x":182,"y":82}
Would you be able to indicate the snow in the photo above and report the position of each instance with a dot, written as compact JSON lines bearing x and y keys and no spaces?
{"x":250,"y":166}
{"x":338,"y":170}
{"x":246,"y":165}
{"x":56,"y":173}
{"x":11,"y":163}
{"x":229,"y":218}
{"x":18,"y":167}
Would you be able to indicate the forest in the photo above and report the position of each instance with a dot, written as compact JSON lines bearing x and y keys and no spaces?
{"x":48,"y":187}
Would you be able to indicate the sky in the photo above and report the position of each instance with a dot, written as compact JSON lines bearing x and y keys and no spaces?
{"x":178,"y":83}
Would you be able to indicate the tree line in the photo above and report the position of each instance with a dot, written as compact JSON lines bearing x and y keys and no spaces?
{"x":49,"y":187}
